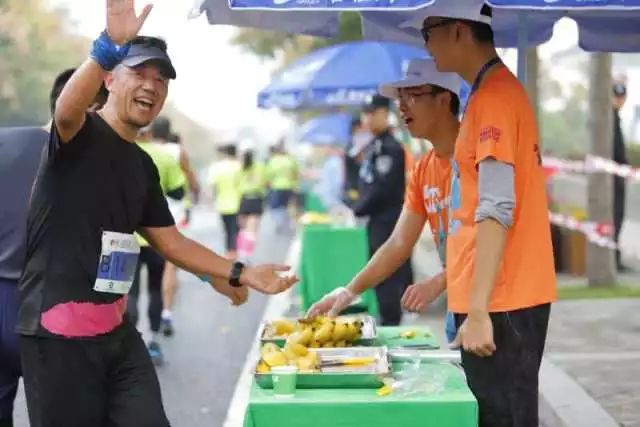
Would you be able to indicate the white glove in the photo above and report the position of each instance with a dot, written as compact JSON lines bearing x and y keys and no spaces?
{"x":333,"y":303}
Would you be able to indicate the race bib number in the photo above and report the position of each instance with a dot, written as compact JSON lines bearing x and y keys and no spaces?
{"x":117,"y":264}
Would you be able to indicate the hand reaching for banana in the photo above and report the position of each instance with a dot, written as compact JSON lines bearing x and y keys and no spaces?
{"x":333,"y":303}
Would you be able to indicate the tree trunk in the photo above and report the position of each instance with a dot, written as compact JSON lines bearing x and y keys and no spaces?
{"x":601,"y":269}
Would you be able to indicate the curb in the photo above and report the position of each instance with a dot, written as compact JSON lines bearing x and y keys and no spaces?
{"x":564,"y":403}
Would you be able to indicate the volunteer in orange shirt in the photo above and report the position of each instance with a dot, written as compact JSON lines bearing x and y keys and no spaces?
{"x":500,"y":272}
{"x":430,"y":106}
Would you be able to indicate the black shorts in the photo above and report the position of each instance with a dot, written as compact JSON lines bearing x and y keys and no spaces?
{"x":251,"y":206}
{"x":506,"y":384}
{"x":279,"y":199}
{"x":104,"y":382}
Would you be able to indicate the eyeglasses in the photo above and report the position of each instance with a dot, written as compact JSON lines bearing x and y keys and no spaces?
{"x":427,"y":28}
{"x":411,"y":98}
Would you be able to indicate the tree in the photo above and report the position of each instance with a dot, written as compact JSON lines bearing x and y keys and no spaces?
{"x":271,"y":44}
{"x":34,"y":48}
{"x":601,"y":267}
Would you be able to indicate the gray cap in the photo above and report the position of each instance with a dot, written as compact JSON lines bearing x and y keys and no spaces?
{"x":142,"y":53}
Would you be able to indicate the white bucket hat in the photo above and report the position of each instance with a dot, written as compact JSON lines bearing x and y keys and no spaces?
{"x":422,"y":72}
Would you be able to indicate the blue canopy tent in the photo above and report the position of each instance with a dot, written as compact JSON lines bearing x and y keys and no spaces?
{"x":325,"y":5}
{"x":329,"y":129}
{"x":339,"y":75}
{"x":318,"y":23}
{"x":604,"y":25}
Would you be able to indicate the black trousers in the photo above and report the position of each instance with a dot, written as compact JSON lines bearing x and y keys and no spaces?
{"x":389,"y":292}
{"x":619,"y":205}
{"x":230,"y":223}
{"x":506,"y":384}
{"x":104,"y":382}
{"x":155,"y":266}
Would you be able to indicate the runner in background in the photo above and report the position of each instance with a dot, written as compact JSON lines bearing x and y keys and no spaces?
{"x":283,"y":178}
{"x":173,"y":184}
{"x":161,"y":132}
{"x":225,"y":178}
{"x":253,"y":187}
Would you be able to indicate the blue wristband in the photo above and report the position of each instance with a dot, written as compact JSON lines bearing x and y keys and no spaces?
{"x":204,"y":278}
{"x":106,"y":53}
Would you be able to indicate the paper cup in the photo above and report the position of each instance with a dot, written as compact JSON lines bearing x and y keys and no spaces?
{"x":284,"y":380}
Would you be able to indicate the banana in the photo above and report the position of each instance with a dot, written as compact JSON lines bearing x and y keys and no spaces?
{"x":323,"y":334}
{"x":340,"y":331}
{"x":291,"y":355}
{"x":263,"y":368}
{"x":314,"y":344}
{"x":308,"y":362}
{"x":352,"y":332}
{"x":268,"y":348}
{"x":341,"y":344}
{"x":328,"y":344}
{"x":306,"y":335}
{"x":295,"y":338}
{"x":275,"y":358}
{"x":283,"y":327}
{"x":299,"y":350}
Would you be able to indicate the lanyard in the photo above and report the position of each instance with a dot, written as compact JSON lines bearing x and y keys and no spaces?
{"x":476,"y":83}
{"x":442,"y":234}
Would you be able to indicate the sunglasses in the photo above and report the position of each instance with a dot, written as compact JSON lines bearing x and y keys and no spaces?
{"x":427,"y":28}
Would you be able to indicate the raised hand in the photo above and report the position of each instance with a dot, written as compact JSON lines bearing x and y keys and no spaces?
{"x":122,"y":23}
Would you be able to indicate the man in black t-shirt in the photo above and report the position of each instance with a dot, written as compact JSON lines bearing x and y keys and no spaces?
{"x":84,"y":364}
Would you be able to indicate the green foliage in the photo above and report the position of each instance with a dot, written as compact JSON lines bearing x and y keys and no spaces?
{"x":604,"y":292}
{"x":563,"y":131}
{"x":270,"y":44}
{"x":34,"y":48}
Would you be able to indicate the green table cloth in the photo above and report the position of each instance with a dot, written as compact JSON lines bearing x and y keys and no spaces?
{"x":331,"y":257}
{"x":451,"y":406}
{"x":390,"y":336}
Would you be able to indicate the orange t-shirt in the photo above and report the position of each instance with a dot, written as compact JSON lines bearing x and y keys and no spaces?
{"x":427,"y":193}
{"x":499,"y":123}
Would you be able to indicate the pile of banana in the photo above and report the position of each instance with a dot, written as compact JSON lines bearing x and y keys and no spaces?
{"x":318,"y":332}
{"x":292,"y":354}
{"x":303,"y":335}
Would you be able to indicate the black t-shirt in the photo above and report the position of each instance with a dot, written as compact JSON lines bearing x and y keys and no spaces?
{"x":95,"y":183}
{"x":20,"y":153}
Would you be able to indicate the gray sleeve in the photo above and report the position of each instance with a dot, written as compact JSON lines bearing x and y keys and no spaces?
{"x":496,"y":192}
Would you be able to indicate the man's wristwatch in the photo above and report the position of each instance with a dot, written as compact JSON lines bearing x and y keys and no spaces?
{"x":236,"y":271}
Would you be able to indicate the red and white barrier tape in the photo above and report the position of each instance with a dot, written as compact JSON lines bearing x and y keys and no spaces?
{"x":592,"y":164}
{"x":596,"y":233}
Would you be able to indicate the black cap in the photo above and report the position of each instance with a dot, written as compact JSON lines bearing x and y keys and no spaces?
{"x":140,"y":53}
{"x":376,"y":101}
{"x":619,"y":89}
